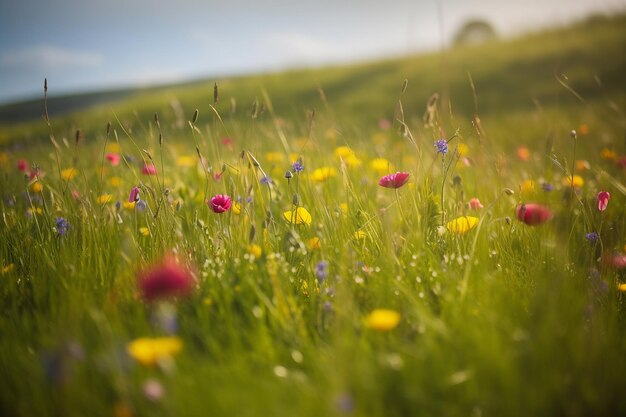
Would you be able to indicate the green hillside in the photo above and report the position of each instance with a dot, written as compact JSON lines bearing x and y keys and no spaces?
{"x":511,"y":77}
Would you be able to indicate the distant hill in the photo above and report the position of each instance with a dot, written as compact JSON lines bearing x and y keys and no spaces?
{"x":509,"y":75}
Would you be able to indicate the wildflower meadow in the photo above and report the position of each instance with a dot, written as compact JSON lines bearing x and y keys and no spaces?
{"x":402,"y":247}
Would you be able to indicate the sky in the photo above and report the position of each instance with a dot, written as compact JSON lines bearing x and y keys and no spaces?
{"x":87,"y":45}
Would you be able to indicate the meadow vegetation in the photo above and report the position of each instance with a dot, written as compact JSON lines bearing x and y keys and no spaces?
{"x":433,"y":235}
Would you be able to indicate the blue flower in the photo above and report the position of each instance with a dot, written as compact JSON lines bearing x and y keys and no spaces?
{"x":297,"y":166}
{"x":62,"y":226}
{"x":591,"y":237}
{"x":321,"y":271}
{"x":442,"y":146}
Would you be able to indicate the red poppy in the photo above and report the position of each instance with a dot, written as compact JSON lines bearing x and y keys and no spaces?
{"x":533,"y":214}
{"x":165,"y":280}
{"x":220,"y":203}
{"x":396,"y":180}
{"x":603,"y":200}
{"x":149,"y":169}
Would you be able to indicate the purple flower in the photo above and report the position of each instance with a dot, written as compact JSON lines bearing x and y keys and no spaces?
{"x":134,"y":195}
{"x":265,"y":180}
{"x":321,"y":271}
{"x":547,"y":187}
{"x":442,"y":146}
{"x":297,"y":166}
{"x":62,"y":226}
{"x":591,"y":237}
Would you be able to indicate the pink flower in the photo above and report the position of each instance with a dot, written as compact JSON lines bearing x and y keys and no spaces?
{"x":603,"y":200}
{"x":149,"y":169}
{"x":396,"y":180}
{"x":533,"y":214}
{"x":134,"y":195}
{"x":615,"y":260}
{"x":220,"y":203}
{"x":22,"y":165}
{"x":474,"y":204}
{"x":165,"y":280}
{"x":114,"y":159}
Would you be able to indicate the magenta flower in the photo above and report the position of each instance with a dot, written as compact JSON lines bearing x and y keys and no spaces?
{"x":220,"y":203}
{"x":134,"y":195}
{"x":165,"y":280}
{"x":396,"y":180}
{"x":533,"y":214}
{"x":114,"y":159}
{"x":474,"y":204}
{"x":603,"y":200}
{"x":149,"y":169}
{"x":22,"y":165}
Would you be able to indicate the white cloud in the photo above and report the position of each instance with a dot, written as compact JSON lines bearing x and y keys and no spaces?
{"x":50,"y":57}
{"x":299,"y":47}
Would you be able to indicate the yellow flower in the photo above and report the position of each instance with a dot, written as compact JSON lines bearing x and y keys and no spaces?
{"x":381,"y":166}
{"x":344,"y":208}
{"x":343,"y":152}
{"x":255,"y":250}
{"x":3,"y":158}
{"x":352,"y":161}
{"x":68,"y":173}
{"x":37,"y":210}
{"x":527,"y":187}
{"x":608,"y":154}
{"x":314,"y":243}
{"x":115,"y":181}
{"x":274,"y":157}
{"x":621,"y":287}
{"x":322,"y":174}
{"x":236,"y":208}
{"x":578,"y":181}
{"x":462,"y":225}
{"x":462,"y":149}
{"x":128,"y":205}
{"x":360,"y":234}
{"x":113,"y":148}
{"x":582,"y":165}
{"x":382,"y":320}
{"x":36,"y":187}
{"x":144,"y":231}
{"x":299,"y":215}
{"x":148,"y":351}
{"x":185,"y":161}
{"x":8,"y":268}
{"x":104,"y":198}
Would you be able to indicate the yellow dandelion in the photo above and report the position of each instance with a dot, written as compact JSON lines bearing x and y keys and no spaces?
{"x":148,"y":351}
{"x":352,"y":161}
{"x":115,"y":181}
{"x":462,"y":149}
{"x":582,"y":165}
{"x":527,"y":187}
{"x":314,"y":243}
{"x":608,"y":154}
{"x":299,"y":215}
{"x":359,"y":235}
{"x":344,"y":208}
{"x":236,"y":208}
{"x":621,"y":287}
{"x":113,"y":148}
{"x":144,"y":231}
{"x":37,"y":210}
{"x":254,"y":250}
{"x":68,"y":173}
{"x":381,"y":166}
{"x":128,"y":205}
{"x":186,"y":161}
{"x":322,"y":174}
{"x":462,"y":225}
{"x":382,"y":320}
{"x":104,"y":198}
{"x":273,"y":157}
{"x":36,"y":187}
{"x":343,"y":152}
{"x":578,"y":181}
{"x":8,"y":268}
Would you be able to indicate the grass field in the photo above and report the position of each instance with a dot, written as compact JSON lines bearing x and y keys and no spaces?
{"x":254,"y":258}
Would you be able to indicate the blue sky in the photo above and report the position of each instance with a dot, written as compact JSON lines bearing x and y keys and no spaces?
{"x":84,"y":45}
